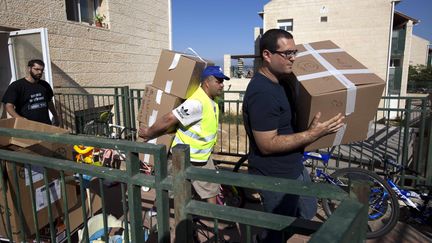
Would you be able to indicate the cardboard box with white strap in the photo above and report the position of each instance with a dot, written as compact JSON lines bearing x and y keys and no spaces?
{"x":331,"y":82}
{"x":154,"y":104}
{"x":178,"y":73}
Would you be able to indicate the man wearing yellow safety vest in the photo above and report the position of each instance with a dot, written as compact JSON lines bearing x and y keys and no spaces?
{"x":198,"y":119}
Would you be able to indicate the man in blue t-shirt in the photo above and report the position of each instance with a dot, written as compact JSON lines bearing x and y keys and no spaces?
{"x":31,"y":97}
{"x":276,"y":145}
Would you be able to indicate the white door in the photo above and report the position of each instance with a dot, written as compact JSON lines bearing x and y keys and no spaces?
{"x":25,"y":45}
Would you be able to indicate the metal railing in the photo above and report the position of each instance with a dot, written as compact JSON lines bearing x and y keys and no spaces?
{"x":348,"y":223}
{"x":402,"y":128}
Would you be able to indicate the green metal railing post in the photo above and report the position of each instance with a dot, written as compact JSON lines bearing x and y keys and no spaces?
{"x":134,"y":199}
{"x":117,"y":105}
{"x":162,"y":199}
{"x":182,"y":193}
{"x":126,"y":108}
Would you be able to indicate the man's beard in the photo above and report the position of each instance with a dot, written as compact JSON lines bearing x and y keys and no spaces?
{"x":35,"y":76}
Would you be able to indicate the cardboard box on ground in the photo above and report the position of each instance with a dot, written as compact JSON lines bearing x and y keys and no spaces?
{"x":93,"y":204}
{"x":332,"y":82}
{"x":62,"y":151}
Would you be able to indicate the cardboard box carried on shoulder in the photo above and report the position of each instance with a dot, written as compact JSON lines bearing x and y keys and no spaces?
{"x":165,"y":139}
{"x":62,"y":151}
{"x":178,"y":73}
{"x":332,"y":82}
{"x":154,"y":104}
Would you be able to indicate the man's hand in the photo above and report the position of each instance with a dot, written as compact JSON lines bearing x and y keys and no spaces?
{"x":143,"y":132}
{"x":318,"y":129}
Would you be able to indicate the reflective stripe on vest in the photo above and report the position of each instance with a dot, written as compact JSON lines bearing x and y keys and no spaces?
{"x":201,"y":142}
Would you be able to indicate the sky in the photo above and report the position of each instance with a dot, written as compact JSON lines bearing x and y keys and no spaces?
{"x":218,"y":27}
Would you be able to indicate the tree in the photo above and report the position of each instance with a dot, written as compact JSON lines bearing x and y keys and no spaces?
{"x":420,"y":79}
{"x":419,"y":73}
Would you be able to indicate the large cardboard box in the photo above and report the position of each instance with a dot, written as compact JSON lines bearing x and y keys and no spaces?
{"x":93,"y":204}
{"x":165,"y":139}
{"x":179,"y":74}
{"x":332,"y":82}
{"x":154,"y":104}
{"x":23,"y":177}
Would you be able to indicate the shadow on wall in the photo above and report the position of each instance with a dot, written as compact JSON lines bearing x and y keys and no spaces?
{"x":69,"y":97}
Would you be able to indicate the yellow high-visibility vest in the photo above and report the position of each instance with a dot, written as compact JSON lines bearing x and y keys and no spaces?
{"x":201,"y":142}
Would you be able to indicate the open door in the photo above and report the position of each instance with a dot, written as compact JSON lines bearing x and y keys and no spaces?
{"x":22,"y":46}
{"x":25,"y":45}
{"x":5,"y":69}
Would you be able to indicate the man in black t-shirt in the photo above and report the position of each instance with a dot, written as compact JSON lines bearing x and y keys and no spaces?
{"x":31,"y":97}
{"x":275,"y":144}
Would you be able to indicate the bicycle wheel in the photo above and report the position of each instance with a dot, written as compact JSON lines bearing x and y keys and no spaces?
{"x":383,"y":202}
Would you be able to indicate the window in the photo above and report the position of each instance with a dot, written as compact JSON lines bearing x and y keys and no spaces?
{"x":81,"y":10}
{"x":395,"y":62}
{"x":324,"y":19}
{"x":285,"y":24}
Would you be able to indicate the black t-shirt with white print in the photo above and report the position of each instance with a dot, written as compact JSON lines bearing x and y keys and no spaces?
{"x":30,"y":99}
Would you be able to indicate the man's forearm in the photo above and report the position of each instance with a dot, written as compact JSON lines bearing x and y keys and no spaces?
{"x":10,"y":109}
{"x":285,"y":143}
{"x":52,"y":109}
{"x":160,"y":127}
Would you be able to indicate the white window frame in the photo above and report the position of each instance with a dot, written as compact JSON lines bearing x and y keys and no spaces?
{"x":43,"y":32}
{"x":286,"y":24}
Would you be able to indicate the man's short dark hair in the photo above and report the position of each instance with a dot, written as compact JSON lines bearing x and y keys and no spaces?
{"x":270,"y":38}
{"x":36,"y":61}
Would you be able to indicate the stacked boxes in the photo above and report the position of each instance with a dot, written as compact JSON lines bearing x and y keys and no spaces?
{"x":177,"y":77}
{"x":22,"y":174}
{"x":332,"y":82}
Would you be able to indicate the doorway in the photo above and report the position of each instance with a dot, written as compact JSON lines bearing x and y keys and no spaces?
{"x":17,"y":47}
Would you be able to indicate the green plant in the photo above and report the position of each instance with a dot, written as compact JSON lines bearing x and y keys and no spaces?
{"x":99,"y":18}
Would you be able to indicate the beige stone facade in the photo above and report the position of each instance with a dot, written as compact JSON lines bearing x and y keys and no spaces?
{"x":419,"y":51}
{"x":125,"y":51}
{"x":362,"y":28}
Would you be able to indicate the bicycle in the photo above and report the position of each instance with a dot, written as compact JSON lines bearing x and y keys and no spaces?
{"x":383,"y":204}
{"x":380,"y":202}
{"x":418,"y":203}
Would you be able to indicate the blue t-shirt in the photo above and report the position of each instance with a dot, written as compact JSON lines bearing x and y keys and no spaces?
{"x":266,"y":107}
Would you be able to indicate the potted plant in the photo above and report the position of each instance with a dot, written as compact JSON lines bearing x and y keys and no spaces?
{"x":99,"y":18}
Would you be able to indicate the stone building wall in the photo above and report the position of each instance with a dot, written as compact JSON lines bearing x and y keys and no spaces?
{"x":360,"y":27}
{"x":123,"y":52}
{"x":419,"y":51}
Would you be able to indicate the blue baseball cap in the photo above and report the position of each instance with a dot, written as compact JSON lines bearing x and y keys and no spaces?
{"x":215,"y":71}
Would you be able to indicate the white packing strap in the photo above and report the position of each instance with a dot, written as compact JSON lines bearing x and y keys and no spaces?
{"x":177,"y":56}
{"x":339,"y":135}
{"x":329,"y":73}
{"x":158,"y":96}
{"x":175,"y":61}
{"x":147,"y":156}
{"x":196,"y":54}
{"x":168,"y":86}
{"x":152,"y":118}
{"x":351,"y":88}
{"x":307,"y":52}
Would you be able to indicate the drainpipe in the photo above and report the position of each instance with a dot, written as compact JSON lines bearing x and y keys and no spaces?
{"x":169,"y":25}
{"x":389,"y":49}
